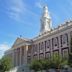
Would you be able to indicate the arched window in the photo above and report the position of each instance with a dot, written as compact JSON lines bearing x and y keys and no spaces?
{"x":56,"y":41}
{"x":42,"y":46}
{"x":48,"y":44}
{"x":65,"y":39}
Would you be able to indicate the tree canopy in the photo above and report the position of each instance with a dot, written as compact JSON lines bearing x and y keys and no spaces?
{"x":35,"y":65}
{"x":5,"y":64}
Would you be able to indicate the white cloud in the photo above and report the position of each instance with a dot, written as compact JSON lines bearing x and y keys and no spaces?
{"x":41,"y":3}
{"x":12,"y":35}
{"x":15,"y":8}
{"x":69,"y":9}
{"x":38,"y":4}
{"x":70,"y":2}
{"x":55,"y":19}
{"x":3,"y":48}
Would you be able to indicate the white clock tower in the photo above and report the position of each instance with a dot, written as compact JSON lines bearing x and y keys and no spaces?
{"x":45,"y":20}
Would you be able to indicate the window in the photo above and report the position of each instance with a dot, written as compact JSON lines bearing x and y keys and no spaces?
{"x":56,"y":53}
{"x":45,"y":44}
{"x":34,"y":48}
{"x":35,"y":56}
{"x":71,"y":34}
{"x":41,"y":56}
{"x":39,"y":46}
{"x":53,"y":43}
{"x":65,"y":53}
{"x":48,"y":44}
{"x":56,"y":41}
{"x":42,"y":46}
{"x":61,"y":39}
{"x":28,"y":59}
{"x":65,"y":39}
{"x":47,"y":55}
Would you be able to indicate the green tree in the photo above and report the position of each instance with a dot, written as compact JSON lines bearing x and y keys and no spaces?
{"x":45,"y":63}
{"x":70,"y":60}
{"x":5,"y":64}
{"x":71,"y":45}
{"x":57,"y":62}
{"x":1,"y":67}
{"x":70,"y":54}
{"x":35,"y":65}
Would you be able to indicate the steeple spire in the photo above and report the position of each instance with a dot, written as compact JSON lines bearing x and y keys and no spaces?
{"x":45,"y":20}
{"x":45,"y":12}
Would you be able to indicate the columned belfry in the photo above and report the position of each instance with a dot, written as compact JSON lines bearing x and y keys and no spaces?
{"x":45,"y":20}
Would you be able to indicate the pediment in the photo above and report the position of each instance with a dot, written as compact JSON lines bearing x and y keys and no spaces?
{"x":18,"y":41}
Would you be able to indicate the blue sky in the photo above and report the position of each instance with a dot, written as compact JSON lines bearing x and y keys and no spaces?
{"x":22,"y":17}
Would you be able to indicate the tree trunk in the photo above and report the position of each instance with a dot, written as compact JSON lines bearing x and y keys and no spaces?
{"x":57,"y":70}
{"x":41,"y":70}
{"x":47,"y":70}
